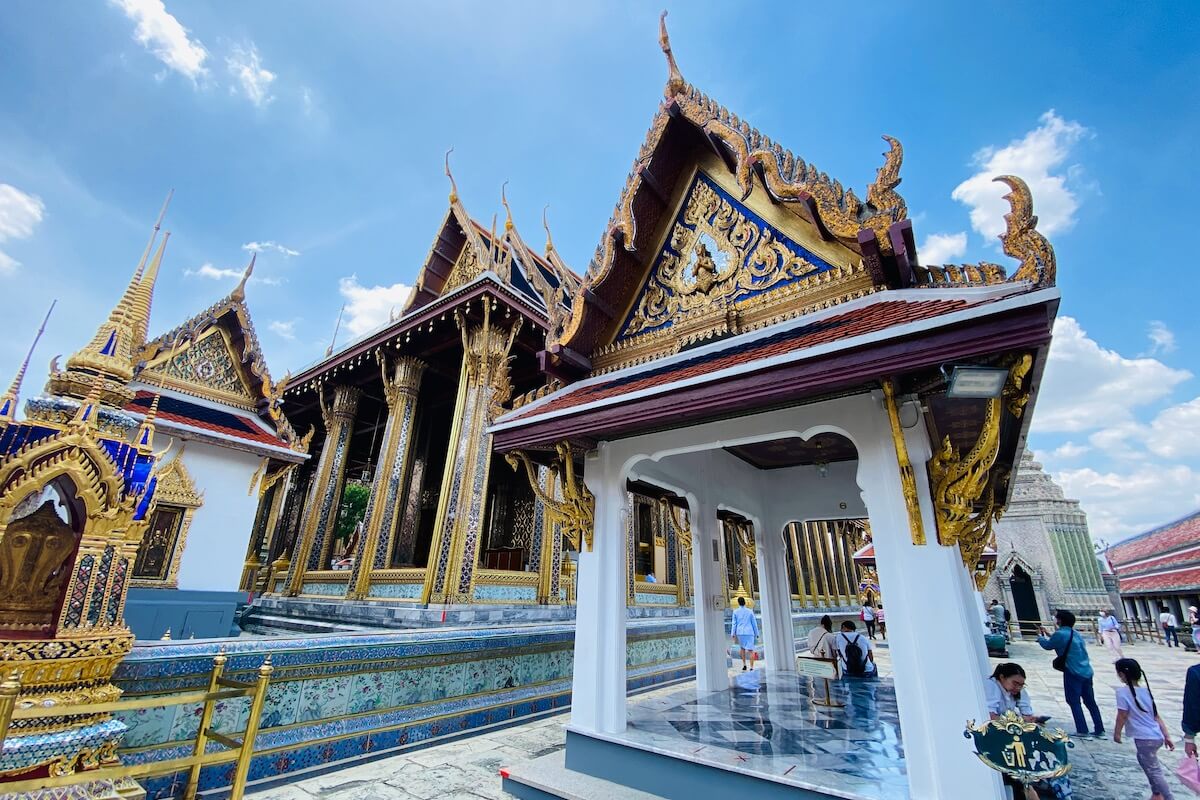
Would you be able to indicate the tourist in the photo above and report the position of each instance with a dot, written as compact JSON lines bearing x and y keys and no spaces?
{"x":856,"y":654}
{"x":1137,"y":709}
{"x":867,"y":614}
{"x":1194,"y":623}
{"x":1005,"y":692}
{"x":881,"y":621}
{"x":1076,"y":669}
{"x":1191,"y":709}
{"x":745,"y":630}
{"x":650,"y":578}
{"x":820,"y":640}
{"x":1170,"y":626}
{"x":1110,"y":633}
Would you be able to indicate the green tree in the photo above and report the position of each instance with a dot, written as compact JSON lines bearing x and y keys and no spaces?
{"x":353,"y":508}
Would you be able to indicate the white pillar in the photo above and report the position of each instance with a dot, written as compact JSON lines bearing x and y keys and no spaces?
{"x":708,"y":582}
{"x":775,"y":597}
{"x":598,"y":687}
{"x":937,"y":650}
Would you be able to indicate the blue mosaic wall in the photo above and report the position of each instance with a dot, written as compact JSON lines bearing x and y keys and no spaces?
{"x":329,"y":589}
{"x":649,"y":599}
{"x":507,"y":594}
{"x":402,"y":591}
{"x":338,"y":698}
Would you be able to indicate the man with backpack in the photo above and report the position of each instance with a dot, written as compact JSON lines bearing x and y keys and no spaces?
{"x":856,"y":654}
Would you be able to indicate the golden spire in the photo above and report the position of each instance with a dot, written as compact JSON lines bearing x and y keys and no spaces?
{"x":144,"y":295}
{"x":107,"y":360}
{"x":239,"y":291}
{"x":8,"y":401}
{"x":145,"y":434}
{"x":675,"y":82}
{"x":85,"y":416}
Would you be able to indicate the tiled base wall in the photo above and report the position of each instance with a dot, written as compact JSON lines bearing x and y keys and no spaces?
{"x":338,"y":698}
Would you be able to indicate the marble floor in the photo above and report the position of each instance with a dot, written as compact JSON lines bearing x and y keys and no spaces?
{"x":770,"y":728}
{"x":467,"y":768}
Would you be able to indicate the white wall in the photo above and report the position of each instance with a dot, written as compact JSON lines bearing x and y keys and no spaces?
{"x":216,"y":544}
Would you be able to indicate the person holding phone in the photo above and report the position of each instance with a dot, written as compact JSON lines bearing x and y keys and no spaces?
{"x":1072,"y":661}
{"x":1005,"y":692}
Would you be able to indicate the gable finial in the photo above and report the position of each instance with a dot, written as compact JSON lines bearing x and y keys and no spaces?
{"x":675,"y":82}
{"x":508,"y":220}
{"x":546,"y":225}
{"x":336,"y":329}
{"x":239,"y":292}
{"x":453,"y":185}
{"x":9,"y":400}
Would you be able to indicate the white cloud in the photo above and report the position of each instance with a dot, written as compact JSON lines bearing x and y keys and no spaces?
{"x":252,"y":78}
{"x":1162,"y":339}
{"x":165,"y":37}
{"x":368,"y":308}
{"x":1123,"y":503}
{"x":258,"y":247}
{"x":943,"y":248}
{"x":1037,"y":158}
{"x":287,"y":329}
{"x":1069,"y":450}
{"x":1087,"y":387}
{"x":207,"y":270}
{"x":20,"y":214}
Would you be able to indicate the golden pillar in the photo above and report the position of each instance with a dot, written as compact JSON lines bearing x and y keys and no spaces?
{"x":483,"y":387}
{"x":799,"y":564}
{"x":400,"y":385}
{"x":280,"y":481}
{"x":314,"y":541}
{"x":548,"y":550}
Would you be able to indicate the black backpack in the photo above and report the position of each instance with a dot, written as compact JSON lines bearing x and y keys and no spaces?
{"x":856,"y":660}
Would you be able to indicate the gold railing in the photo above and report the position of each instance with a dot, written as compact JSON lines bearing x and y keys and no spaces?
{"x":219,"y":688}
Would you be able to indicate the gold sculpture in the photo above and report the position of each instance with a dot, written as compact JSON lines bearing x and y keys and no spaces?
{"x":576,"y":511}
{"x":908,"y":480}
{"x":959,"y":480}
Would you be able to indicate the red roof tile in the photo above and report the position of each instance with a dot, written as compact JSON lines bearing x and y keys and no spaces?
{"x":868,"y":319}
{"x":1169,"y":582}
{"x":1157,"y":542}
{"x":175,"y":409}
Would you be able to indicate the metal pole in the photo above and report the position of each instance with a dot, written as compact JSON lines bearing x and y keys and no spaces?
{"x":193,"y":783}
{"x":247,"y":750}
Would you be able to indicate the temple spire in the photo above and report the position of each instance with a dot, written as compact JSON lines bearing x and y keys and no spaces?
{"x":9,"y":400}
{"x":145,"y":433}
{"x":675,"y":82}
{"x":153,"y":235}
{"x":107,"y":360}
{"x":144,"y":295}
{"x":239,"y":291}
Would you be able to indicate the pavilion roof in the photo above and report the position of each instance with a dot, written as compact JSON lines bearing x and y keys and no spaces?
{"x":1181,"y":534}
{"x":221,"y":425}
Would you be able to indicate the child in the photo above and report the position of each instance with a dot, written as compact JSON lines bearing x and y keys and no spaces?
{"x":1136,"y":706}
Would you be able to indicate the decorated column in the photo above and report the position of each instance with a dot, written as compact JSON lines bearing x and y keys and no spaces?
{"x":483,"y":387}
{"x":776,"y":598}
{"x":400,"y":384}
{"x":312,"y":545}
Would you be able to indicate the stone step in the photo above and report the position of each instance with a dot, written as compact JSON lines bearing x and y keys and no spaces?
{"x":548,"y":777}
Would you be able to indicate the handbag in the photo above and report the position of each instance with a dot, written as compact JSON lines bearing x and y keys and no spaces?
{"x":1060,"y":662}
{"x":1188,"y":773}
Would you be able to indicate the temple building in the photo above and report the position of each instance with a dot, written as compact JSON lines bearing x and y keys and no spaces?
{"x":206,"y":388}
{"x":742,"y":301}
{"x":1045,"y":559}
{"x":1160,"y":567}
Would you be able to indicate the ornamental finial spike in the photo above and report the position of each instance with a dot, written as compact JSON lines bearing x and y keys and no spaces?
{"x":546,"y":225}
{"x":153,"y":235}
{"x":9,"y":400}
{"x":145,"y":434}
{"x":86,"y":415}
{"x":453,"y":185}
{"x":239,"y":291}
{"x":675,"y":82}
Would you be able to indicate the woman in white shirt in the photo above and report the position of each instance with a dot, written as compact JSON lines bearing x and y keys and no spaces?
{"x":1137,"y":710}
{"x":1005,"y":691}
{"x":820,"y":640}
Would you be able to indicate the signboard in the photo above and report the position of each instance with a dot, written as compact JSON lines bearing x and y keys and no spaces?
{"x":1025,"y":751}
{"x":815,"y":667}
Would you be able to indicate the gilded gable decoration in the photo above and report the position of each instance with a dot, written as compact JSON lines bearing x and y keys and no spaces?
{"x":176,"y":486}
{"x":206,"y":364}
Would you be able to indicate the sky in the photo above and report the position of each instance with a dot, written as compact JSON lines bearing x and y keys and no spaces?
{"x":314,"y":134}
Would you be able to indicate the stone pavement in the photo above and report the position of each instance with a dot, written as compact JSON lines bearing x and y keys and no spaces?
{"x":467,"y":769}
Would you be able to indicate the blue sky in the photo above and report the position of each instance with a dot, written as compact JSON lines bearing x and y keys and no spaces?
{"x":315,"y":133}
